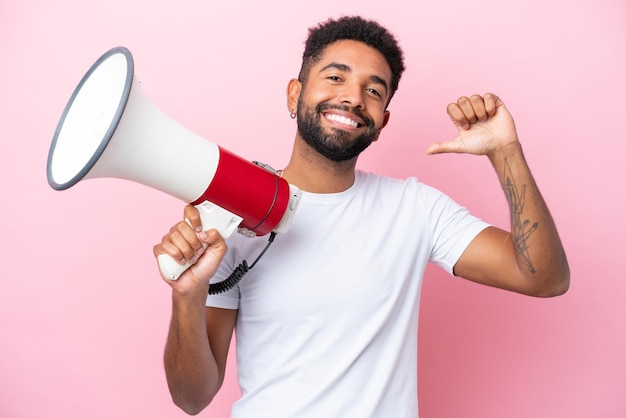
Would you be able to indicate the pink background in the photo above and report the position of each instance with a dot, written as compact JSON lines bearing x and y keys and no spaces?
{"x":83,"y":313}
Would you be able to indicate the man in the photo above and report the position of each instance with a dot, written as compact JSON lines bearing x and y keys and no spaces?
{"x":327,"y":321}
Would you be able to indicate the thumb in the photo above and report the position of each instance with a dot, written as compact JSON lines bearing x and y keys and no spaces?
{"x":444,"y":147}
{"x":455,"y":145}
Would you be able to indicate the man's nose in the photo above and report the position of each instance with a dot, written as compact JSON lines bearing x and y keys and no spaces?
{"x":351,"y":95}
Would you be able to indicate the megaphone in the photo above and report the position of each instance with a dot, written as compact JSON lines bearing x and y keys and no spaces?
{"x":110,"y":129}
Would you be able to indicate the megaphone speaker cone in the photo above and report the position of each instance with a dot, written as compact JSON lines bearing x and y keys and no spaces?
{"x":90,"y":118}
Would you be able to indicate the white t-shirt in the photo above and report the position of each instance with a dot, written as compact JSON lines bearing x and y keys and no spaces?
{"x":327,"y":322}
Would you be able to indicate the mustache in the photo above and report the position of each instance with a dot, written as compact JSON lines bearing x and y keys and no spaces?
{"x":322,"y":107}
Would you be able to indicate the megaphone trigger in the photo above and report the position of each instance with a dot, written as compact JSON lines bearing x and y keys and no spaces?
{"x":212,"y":217}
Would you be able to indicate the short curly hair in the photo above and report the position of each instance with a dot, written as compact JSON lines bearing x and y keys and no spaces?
{"x":354,"y":28}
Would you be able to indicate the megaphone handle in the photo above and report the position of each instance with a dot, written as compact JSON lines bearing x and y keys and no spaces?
{"x":212,"y":217}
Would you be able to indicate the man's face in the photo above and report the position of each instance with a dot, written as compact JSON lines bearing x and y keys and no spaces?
{"x":341,"y":108}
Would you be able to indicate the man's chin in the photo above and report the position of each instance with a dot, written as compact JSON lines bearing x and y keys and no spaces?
{"x":343,"y":154}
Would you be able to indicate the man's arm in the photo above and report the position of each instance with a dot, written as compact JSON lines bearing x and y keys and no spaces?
{"x":199,"y":337}
{"x":196,"y":352}
{"x":529,"y":259}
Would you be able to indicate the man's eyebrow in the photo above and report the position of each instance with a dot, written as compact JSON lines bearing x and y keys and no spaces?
{"x":346,"y":68}
{"x":337,"y":66}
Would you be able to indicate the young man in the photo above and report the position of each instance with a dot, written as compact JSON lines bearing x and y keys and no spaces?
{"x":327,"y":321}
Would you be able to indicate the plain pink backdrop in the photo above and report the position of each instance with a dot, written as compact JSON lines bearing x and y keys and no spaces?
{"x":83,"y":312}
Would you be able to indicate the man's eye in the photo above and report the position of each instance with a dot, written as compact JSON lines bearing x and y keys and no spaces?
{"x":374,"y":92}
{"x":334,"y":78}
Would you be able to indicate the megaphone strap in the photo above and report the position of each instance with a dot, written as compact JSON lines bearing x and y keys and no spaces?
{"x":271,"y":208}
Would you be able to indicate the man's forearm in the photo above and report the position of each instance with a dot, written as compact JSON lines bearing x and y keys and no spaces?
{"x":192,"y":373}
{"x":540,"y":254}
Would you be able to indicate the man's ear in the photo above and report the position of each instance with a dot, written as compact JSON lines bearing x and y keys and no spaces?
{"x":385,"y":121}
{"x":293,"y":94}
{"x":386,"y":118}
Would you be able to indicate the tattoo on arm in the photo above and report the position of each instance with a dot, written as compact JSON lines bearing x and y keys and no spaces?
{"x":520,"y":229}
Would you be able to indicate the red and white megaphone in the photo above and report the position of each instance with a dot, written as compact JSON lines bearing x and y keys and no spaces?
{"x":110,"y":129}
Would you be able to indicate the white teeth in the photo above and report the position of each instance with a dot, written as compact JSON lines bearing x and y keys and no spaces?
{"x":342,"y":119}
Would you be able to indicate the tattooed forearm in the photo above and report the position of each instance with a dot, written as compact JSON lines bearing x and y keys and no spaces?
{"x":521,"y":229}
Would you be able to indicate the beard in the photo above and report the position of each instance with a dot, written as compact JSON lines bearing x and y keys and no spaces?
{"x":337,"y":145}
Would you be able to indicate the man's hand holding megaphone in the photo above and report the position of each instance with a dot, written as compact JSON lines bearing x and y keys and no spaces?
{"x":186,"y":242}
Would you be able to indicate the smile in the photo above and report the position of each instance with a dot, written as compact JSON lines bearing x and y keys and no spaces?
{"x":342,"y":119}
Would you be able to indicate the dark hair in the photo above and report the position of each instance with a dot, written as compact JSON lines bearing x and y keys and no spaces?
{"x":354,"y":28}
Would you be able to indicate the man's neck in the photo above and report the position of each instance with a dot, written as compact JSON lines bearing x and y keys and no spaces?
{"x":311,"y":172}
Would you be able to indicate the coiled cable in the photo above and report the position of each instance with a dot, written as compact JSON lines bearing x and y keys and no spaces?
{"x":238,"y":273}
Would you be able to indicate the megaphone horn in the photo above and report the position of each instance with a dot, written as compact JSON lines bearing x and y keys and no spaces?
{"x":110,"y":129}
